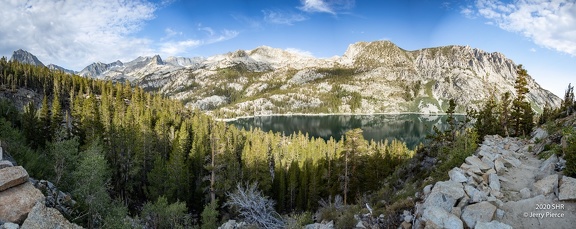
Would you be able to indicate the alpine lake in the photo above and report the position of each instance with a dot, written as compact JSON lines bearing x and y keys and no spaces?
{"x":409,"y":128}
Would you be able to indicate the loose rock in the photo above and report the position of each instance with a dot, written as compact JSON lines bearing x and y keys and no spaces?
{"x":16,"y":202}
{"x":12,"y":176}
{"x":480,"y":212}
{"x":547,"y":185}
{"x":567,"y":188}
{"x":42,"y":217}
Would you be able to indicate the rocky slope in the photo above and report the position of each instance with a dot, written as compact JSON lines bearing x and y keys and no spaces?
{"x":23,"y":205}
{"x":504,"y":185}
{"x":370,"y":77}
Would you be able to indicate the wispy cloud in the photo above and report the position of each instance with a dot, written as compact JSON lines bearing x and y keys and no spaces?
{"x":300,"y":52}
{"x":551,"y":24}
{"x":176,"y":47}
{"x":282,"y":17}
{"x":69,"y":31}
{"x":326,"y":6}
{"x":76,"y":33}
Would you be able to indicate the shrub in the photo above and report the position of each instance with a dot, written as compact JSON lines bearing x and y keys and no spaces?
{"x":570,"y":152}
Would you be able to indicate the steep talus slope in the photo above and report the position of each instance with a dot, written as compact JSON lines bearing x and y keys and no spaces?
{"x":370,"y":77}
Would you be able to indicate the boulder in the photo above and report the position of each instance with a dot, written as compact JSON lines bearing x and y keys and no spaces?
{"x":16,"y":202}
{"x":12,"y":176}
{"x":539,"y":134}
{"x":567,"y":188}
{"x":485,"y":154}
{"x":437,"y":217}
{"x":9,"y":225}
{"x":499,"y":166}
{"x":42,"y":217}
{"x":511,"y":161}
{"x":480,"y":212}
{"x":525,"y":193}
{"x":546,"y":185}
{"x":457,"y":175}
{"x":488,"y":162}
{"x":494,"y":182}
{"x":475,"y":194}
{"x":475,"y":161}
{"x":492,"y":225}
{"x":549,"y":165}
{"x":444,"y":194}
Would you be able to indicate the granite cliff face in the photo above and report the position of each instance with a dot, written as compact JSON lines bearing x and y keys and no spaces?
{"x":370,"y":77}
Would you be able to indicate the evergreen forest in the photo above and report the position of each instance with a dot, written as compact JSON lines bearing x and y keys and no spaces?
{"x":130,"y":157}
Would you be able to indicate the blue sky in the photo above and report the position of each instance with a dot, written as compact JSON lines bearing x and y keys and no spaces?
{"x":539,"y":34}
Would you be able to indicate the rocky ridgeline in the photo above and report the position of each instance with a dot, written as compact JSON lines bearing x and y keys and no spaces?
{"x":22,"y":205}
{"x":504,"y":185}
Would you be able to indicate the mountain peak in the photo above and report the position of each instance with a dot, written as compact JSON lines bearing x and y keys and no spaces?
{"x":25,"y":57}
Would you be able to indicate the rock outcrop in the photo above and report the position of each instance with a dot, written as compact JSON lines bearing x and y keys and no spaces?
{"x":18,"y":201}
{"x":44,"y":217}
{"x":22,"y":203}
{"x":504,"y":185}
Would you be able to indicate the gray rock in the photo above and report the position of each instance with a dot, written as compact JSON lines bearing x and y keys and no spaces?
{"x":546,"y":185}
{"x":539,"y":134}
{"x":494,"y":182}
{"x":457,"y":211}
{"x":12,"y":176}
{"x":567,"y":188}
{"x":525,"y":193}
{"x":485,"y":154}
{"x":18,"y":201}
{"x":9,"y":225}
{"x":437,"y":217}
{"x":444,"y":194}
{"x":499,"y":166}
{"x":5,"y":164}
{"x":492,"y":225}
{"x":360,"y":225}
{"x":475,"y":161}
{"x":407,"y":216}
{"x":457,"y":175}
{"x":488,"y":162}
{"x":480,"y":212}
{"x":549,"y":165}
{"x":42,"y":217}
{"x":427,"y":189}
{"x":499,"y":214}
{"x":475,"y":194}
{"x":511,"y":161}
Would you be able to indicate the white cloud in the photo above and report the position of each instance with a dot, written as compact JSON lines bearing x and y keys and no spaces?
{"x":281,"y":17}
{"x":326,"y":6}
{"x":300,"y":52}
{"x":76,"y":33}
{"x":69,"y":31}
{"x":170,"y":32}
{"x":174,"y":48}
{"x":532,"y":50}
{"x":551,"y":24}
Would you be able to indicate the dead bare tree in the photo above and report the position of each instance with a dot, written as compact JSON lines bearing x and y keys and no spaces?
{"x":254,"y":207}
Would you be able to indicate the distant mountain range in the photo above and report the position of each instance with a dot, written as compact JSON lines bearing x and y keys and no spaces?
{"x":371,"y":77}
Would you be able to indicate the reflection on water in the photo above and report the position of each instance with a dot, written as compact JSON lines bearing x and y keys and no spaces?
{"x":409,"y":128}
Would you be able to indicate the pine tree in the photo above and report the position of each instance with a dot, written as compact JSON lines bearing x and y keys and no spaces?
{"x":354,"y":146}
{"x":520,"y":114}
{"x":504,"y":114}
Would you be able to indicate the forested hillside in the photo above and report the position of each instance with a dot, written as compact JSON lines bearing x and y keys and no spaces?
{"x":123,"y":152}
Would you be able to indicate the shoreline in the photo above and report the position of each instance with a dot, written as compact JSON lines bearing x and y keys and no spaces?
{"x":328,"y":114}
